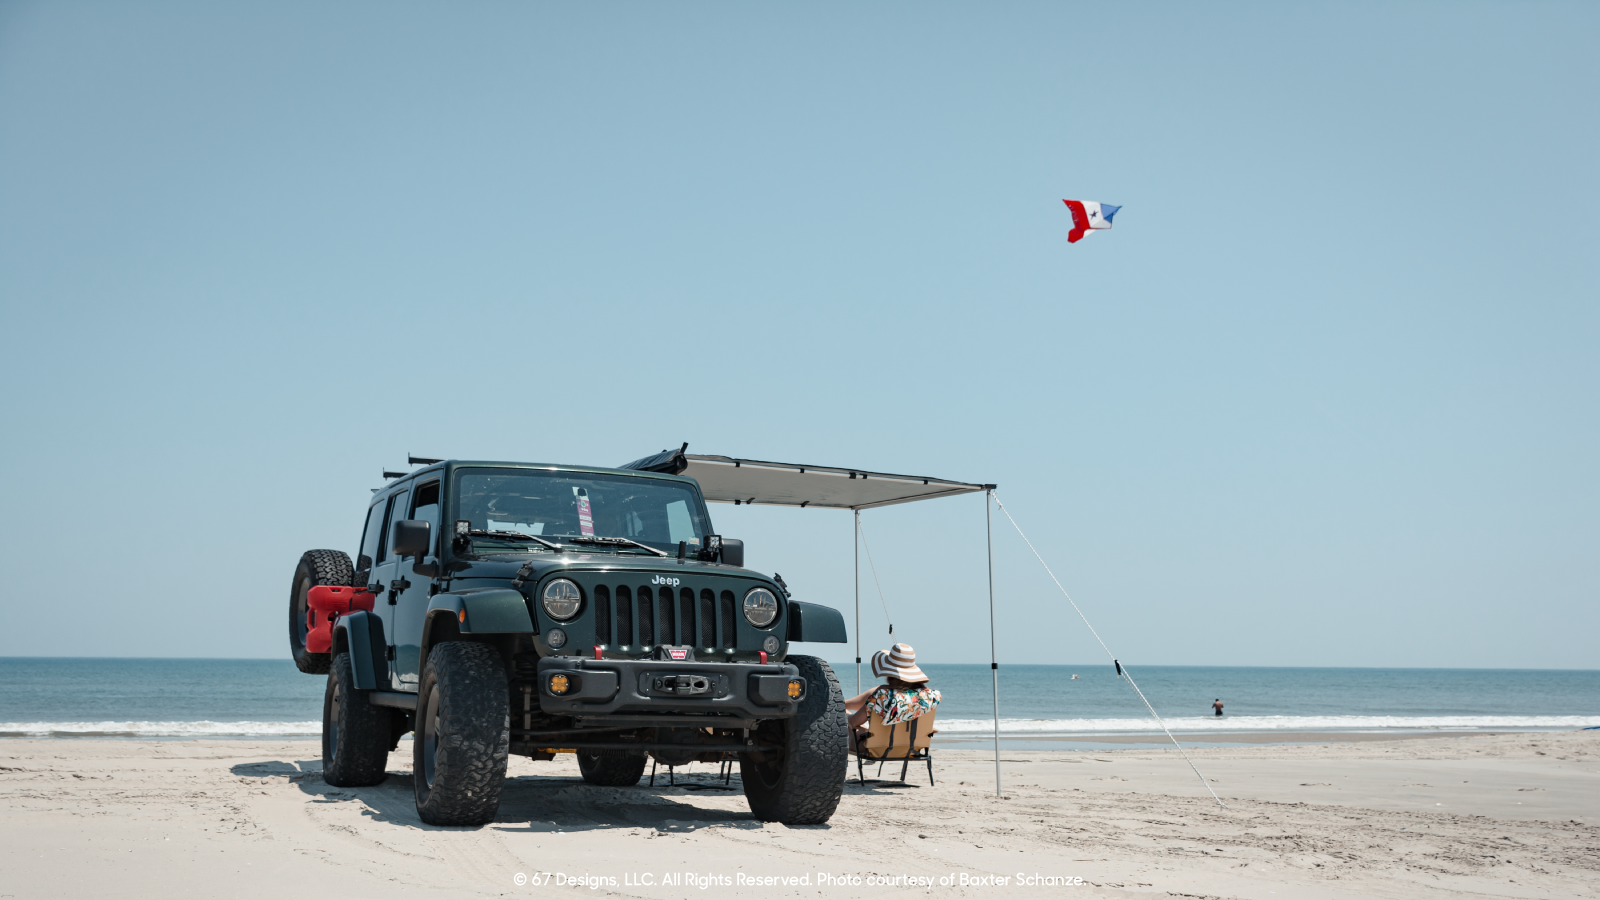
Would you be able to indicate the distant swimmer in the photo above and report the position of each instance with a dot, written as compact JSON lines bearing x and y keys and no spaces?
{"x":1217,"y":706}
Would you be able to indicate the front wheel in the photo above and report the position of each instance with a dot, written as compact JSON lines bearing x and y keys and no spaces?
{"x":355,"y":734}
{"x":462,"y":735}
{"x":800,"y":784}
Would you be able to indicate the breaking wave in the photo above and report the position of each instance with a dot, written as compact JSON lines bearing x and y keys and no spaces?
{"x":160,"y":729}
{"x":1266,"y":723}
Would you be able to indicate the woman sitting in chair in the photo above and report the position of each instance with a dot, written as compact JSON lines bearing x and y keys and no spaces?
{"x":906,"y":696}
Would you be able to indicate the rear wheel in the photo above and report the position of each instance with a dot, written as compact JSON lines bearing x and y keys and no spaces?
{"x":463,"y":735}
{"x":611,"y":768}
{"x":317,"y":567}
{"x":800,"y":784}
{"x":355,"y":734}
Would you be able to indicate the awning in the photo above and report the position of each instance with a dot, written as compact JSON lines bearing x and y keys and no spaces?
{"x":724,"y":479}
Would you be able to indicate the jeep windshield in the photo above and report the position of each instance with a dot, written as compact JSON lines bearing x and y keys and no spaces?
{"x":577,"y":507}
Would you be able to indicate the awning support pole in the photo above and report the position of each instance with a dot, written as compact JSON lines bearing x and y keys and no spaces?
{"x":994,"y":664}
{"x":858,"y":599}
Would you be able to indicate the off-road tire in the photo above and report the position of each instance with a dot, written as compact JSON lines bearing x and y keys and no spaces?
{"x":355,"y":734}
{"x":611,"y":768}
{"x":316,"y":567}
{"x":464,"y":722}
{"x":801,"y":784}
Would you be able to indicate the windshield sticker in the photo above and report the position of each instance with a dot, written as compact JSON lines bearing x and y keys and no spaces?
{"x":585,"y":520}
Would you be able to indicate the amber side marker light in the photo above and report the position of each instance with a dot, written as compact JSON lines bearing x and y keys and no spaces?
{"x":558,"y":684}
{"x":462,"y":616}
{"x":794,"y":690}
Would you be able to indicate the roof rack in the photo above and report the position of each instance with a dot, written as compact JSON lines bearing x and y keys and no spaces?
{"x":388,"y":474}
{"x":421,"y":460}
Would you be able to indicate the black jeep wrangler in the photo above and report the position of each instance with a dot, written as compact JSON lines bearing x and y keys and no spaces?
{"x":498,"y":608}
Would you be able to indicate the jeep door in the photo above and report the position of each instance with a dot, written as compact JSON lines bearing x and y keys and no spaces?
{"x":411,"y":603}
{"x":386,"y":572}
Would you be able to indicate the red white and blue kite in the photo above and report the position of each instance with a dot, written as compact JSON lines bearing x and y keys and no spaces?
{"x":1087,"y":216}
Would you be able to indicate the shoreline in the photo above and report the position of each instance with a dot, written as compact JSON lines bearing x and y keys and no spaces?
{"x":1252,"y":738}
{"x":961,"y":740}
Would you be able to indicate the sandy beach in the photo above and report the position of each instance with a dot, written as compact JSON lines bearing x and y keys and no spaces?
{"x":1509,"y":815}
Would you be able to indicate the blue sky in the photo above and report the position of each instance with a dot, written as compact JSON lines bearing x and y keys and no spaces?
{"x":1325,"y":396}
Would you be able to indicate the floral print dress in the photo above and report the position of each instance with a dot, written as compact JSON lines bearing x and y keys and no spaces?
{"x":894,"y":707}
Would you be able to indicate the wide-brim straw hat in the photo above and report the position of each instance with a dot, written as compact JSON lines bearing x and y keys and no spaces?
{"x":899,"y":661}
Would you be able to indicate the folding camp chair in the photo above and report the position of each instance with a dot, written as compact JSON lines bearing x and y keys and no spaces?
{"x":908,"y":742}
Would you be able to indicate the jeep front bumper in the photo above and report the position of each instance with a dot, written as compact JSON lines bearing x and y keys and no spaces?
{"x":654,"y":692}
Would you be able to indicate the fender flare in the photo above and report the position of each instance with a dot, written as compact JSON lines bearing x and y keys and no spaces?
{"x":815,"y":623}
{"x":361,"y":635}
{"x":487,"y":611}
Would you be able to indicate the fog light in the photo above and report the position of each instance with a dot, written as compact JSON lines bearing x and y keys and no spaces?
{"x":770,"y":644}
{"x":558,"y":684}
{"x":794,"y":690}
{"x":556,"y":639}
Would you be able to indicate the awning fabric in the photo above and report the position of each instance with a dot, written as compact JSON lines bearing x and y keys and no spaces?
{"x":724,"y":479}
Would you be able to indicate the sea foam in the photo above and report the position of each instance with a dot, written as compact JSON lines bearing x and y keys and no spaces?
{"x":1264,"y":723}
{"x":160,"y":729}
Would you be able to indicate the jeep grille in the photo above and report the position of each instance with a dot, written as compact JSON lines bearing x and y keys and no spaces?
{"x":625,"y":615}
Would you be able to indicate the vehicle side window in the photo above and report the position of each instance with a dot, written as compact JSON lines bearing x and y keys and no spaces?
{"x":370,"y":535}
{"x":425,"y":508}
{"x":389,"y":518}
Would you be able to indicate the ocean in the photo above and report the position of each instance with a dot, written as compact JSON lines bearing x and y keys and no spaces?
{"x":232,"y":698}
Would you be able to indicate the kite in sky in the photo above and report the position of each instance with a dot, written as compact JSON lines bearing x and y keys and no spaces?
{"x":1087,"y":216}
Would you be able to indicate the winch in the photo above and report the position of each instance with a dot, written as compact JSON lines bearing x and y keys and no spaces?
{"x":681,"y":684}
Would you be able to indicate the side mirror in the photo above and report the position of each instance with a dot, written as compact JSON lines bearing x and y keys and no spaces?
{"x":411,"y":538}
{"x":732,"y":552}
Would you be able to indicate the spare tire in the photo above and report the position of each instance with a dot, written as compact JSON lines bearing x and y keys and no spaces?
{"x":317,"y":567}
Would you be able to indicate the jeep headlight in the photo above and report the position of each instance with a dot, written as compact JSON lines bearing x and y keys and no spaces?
{"x":561,"y":599}
{"x":760,"y":607}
